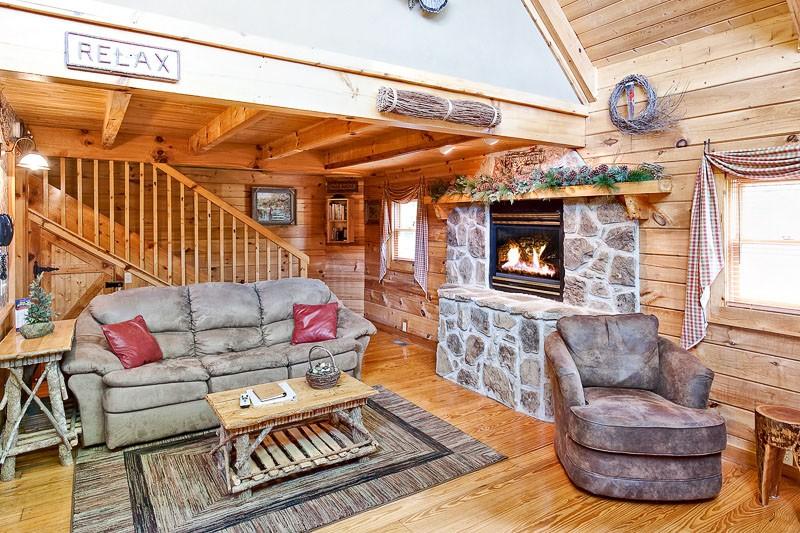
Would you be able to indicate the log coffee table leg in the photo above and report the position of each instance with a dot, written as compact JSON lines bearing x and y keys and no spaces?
{"x":13,"y":408}
{"x":242,"y":448}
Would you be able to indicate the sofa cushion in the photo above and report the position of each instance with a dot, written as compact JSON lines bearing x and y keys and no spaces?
{"x":224,"y":305}
{"x":163,"y":308}
{"x":175,"y":343}
{"x":642,"y":422}
{"x":127,"y":399}
{"x":165,"y":371}
{"x":247,"y":379}
{"x":224,"y":340}
{"x":314,"y":323}
{"x":277,"y":297}
{"x":278,"y":332}
{"x":345,"y":362}
{"x":224,"y":364}
{"x":613,"y":351}
{"x":298,"y":353}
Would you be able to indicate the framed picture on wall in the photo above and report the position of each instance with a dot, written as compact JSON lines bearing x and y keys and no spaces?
{"x":372,"y":211}
{"x":274,"y":206}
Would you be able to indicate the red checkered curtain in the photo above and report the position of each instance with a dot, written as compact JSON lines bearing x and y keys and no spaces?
{"x":706,"y":251}
{"x":404,"y":195}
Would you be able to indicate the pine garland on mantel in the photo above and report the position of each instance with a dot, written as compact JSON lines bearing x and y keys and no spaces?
{"x":487,"y":189}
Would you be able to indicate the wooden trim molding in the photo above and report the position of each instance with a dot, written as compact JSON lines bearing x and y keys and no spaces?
{"x":567,"y":49}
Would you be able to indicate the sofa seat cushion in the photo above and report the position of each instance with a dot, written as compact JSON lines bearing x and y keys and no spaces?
{"x":346,"y":362}
{"x":298,"y":353}
{"x":641,"y":422}
{"x":128,"y":399}
{"x":166,"y":371}
{"x":225,"y":364}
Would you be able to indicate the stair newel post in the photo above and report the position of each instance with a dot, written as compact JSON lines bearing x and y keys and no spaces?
{"x":46,"y":193}
{"x":246,"y":250}
{"x":196,"y":222}
{"x":234,"y":249}
{"x":111,"y":226}
{"x":208,"y":240}
{"x":127,"y":204}
{"x":141,"y":215}
{"x":183,"y":234}
{"x":258,"y":258}
{"x":79,"y":163}
{"x":169,"y":229}
{"x":221,"y":244}
{"x":63,"y":186}
{"x":96,"y":204}
{"x":269,"y":260}
{"x":155,"y":222}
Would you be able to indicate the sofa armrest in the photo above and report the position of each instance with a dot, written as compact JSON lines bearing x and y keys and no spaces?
{"x":350,"y":324}
{"x":90,"y":358}
{"x":564,"y":370}
{"x":683,"y":378}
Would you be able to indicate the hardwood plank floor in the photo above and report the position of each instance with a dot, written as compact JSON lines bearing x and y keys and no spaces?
{"x":527,"y":492}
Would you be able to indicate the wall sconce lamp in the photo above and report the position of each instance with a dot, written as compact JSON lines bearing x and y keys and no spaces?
{"x":32,"y":160}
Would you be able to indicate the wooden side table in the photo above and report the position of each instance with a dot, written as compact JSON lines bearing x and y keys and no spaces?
{"x":17,"y":352}
{"x":777,"y":430}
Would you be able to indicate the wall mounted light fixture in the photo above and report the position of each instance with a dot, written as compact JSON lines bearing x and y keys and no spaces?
{"x":32,"y":160}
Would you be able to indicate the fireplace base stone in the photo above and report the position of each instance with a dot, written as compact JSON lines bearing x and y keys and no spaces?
{"x":494,"y":344}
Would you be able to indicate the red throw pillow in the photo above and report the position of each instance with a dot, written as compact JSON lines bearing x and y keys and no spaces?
{"x":132,"y":342}
{"x":313,"y":323}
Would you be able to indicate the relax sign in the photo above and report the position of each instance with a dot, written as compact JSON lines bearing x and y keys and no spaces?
{"x":97,"y":54}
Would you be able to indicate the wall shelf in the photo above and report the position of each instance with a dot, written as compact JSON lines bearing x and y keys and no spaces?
{"x":338,"y":230}
{"x":633,"y":195}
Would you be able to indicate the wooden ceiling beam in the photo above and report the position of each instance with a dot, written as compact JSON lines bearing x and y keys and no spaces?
{"x":794,"y":9}
{"x":317,"y":135}
{"x":554,"y":26}
{"x":234,"y":119}
{"x":388,"y":147}
{"x":116,"y":106}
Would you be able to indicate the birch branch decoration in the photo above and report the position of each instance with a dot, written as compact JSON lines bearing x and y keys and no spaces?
{"x":423,"y":105}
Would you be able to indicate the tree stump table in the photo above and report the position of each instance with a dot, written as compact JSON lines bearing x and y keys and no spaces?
{"x":777,"y":430}
{"x":16,"y":353}
{"x":319,"y":429}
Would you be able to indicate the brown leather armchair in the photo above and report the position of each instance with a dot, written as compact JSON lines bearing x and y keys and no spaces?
{"x":630,"y":411}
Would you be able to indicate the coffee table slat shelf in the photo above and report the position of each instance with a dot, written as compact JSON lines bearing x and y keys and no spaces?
{"x":262,"y":444}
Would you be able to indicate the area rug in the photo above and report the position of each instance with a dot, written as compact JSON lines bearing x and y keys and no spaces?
{"x":173,"y":485}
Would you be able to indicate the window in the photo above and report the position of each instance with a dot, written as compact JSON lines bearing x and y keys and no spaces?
{"x":763,"y":245}
{"x":404,"y":220}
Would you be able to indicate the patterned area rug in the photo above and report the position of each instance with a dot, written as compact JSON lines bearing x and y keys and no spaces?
{"x":173,"y":485}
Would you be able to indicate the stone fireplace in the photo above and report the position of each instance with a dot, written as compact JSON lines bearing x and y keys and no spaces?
{"x":491,"y":337}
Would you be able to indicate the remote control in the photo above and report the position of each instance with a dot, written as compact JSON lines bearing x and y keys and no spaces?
{"x":244,"y":399}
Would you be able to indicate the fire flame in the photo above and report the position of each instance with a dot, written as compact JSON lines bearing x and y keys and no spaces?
{"x":535,"y":266}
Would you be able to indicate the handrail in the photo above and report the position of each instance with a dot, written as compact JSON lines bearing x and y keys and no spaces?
{"x":208,"y":195}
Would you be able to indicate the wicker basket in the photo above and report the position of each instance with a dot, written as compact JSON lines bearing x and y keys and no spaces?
{"x":322,"y":380}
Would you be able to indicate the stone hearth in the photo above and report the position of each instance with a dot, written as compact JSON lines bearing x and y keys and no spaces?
{"x":493,"y":342}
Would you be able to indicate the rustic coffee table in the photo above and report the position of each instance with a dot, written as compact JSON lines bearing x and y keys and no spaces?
{"x":319,"y":429}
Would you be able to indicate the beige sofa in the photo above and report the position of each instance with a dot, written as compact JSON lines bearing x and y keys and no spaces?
{"x":214,"y":336}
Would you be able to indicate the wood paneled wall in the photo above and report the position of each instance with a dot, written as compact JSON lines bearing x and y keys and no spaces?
{"x":742,"y":92}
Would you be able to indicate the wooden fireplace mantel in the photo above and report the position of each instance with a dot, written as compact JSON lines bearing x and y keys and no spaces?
{"x":634,"y":195}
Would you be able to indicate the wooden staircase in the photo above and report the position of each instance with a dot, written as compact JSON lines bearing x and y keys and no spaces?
{"x":151,"y":221}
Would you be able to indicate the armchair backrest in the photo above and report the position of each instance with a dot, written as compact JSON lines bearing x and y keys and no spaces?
{"x":613,"y":350}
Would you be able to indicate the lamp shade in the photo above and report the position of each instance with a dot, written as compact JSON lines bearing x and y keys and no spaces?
{"x":34,"y":161}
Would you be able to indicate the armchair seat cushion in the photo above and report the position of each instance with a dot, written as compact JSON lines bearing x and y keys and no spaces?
{"x":635,"y":421}
{"x":166,"y":371}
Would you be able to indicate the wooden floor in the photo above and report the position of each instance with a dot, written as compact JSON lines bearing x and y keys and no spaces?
{"x":527,"y":492}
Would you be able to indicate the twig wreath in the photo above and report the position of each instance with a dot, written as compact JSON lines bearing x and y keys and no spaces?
{"x":659,"y":114}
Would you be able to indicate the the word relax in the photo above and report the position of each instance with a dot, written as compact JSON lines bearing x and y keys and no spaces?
{"x":97,"y":54}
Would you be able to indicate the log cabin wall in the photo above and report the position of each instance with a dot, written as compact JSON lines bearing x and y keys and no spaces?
{"x":741,"y":92}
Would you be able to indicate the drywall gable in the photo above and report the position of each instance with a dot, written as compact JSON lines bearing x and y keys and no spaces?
{"x":490,"y":42}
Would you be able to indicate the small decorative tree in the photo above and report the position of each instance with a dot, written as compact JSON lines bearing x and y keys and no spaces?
{"x":39,"y":321}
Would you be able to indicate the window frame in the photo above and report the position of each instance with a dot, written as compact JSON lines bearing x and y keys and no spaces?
{"x":402,"y":264}
{"x":722,"y":312}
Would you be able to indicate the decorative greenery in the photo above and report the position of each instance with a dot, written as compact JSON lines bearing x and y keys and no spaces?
{"x":437,"y":189}
{"x":41,"y":308}
{"x":486,"y":189}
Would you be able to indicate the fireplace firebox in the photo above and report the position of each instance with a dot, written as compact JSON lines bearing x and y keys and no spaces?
{"x":527,"y":246}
